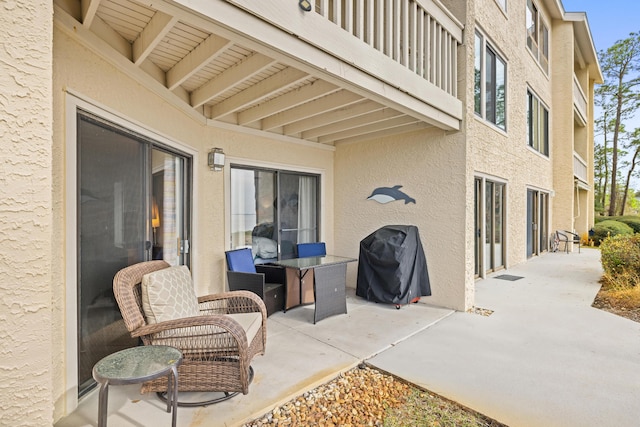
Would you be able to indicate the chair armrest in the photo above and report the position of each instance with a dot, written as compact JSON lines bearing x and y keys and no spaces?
{"x":232,"y":302}
{"x":196,"y":334}
{"x":272,"y":273}
{"x":574,"y":235}
{"x":240,"y":281}
{"x":235,"y":302}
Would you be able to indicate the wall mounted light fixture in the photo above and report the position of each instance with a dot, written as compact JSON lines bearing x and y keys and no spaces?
{"x":215,"y":159}
{"x":305,"y":5}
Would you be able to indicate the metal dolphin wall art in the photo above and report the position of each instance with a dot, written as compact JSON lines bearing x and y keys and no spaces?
{"x":390,"y":194}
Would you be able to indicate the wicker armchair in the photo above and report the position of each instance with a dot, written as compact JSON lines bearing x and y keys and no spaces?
{"x":216,"y":353}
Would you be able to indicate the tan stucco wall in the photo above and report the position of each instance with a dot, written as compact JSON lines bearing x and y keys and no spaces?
{"x":563,"y":125}
{"x":430,"y":167}
{"x":505,"y":155}
{"x":79,"y":71}
{"x":25,"y":213}
{"x":429,"y":162}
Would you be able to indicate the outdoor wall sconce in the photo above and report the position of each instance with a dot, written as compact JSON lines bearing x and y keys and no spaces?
{"x":215,"y":160}
{"x":305,"y":5}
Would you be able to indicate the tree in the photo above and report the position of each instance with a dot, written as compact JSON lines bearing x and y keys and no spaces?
{"x":619,"y":96}
{"x":601,"y":166}
{"x":601,"y":177}
{"x":633,"y":144}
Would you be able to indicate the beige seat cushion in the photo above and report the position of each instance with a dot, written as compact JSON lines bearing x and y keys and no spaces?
{"x":168,"y":294}
{"x":250,"y":323}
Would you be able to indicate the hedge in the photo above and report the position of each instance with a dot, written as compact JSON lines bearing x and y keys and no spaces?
{"x":620,"y":257}
{"x":609,"y":228}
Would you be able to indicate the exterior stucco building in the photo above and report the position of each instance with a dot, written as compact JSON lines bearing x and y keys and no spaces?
{"x":482,"y":110}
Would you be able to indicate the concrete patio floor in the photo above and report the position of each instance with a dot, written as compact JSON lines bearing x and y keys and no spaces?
{"x":299,"y":356}
{"x":544,"y":357}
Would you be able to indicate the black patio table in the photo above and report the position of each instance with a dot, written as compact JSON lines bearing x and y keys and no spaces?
{"x":329,"y":286}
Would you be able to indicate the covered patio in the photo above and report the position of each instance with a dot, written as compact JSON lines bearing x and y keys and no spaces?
{"x":544,"y":355}
{"x":299,"y":357}
{"x":286,"y":94}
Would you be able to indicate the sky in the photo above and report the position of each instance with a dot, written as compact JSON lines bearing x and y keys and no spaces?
{"x":609,"y":20}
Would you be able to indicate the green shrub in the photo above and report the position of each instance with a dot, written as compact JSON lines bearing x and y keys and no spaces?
{"x":631,"y":221}
{"x":610,"y":227}
{"x":620,"y":257}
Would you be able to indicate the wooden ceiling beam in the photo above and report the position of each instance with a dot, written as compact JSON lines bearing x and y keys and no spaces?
{"x":412,"y":127}
{"x":195,"y":60}
{"x":259,"y":91}
{"x":89,"y":9}
{"x":347,"y":112}
{"x":369,"y":128}
{"x":289,"y":100}
{"x":152,"y":35}
{"x":248,"y":68}
{"x":354,"y":122}
{"x":326,"y":103}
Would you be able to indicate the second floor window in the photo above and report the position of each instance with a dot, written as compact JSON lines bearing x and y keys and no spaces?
{"x":537,"y":124}
{"x":537,"y":36}
{"x":490,"y":86}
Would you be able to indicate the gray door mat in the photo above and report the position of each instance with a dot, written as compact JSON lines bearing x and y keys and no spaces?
{"x":509,"y":277}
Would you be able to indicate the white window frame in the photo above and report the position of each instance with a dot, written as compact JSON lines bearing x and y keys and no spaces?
{"x":252,"y":163}
{"x":538,"y":35}
{"x":542,"y":216}
{"x":480,"y":66}
{"x":537,"y":126}
{"x":484,"y":268}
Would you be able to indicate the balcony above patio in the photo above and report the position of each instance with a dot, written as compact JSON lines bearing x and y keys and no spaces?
{"x":342,"y":71}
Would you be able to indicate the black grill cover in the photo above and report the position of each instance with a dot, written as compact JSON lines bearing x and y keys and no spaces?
{"x":392,"y":267}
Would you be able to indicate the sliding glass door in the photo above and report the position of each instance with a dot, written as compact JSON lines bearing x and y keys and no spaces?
{"x":272,"y":211}
{"x":537,"y":222}
{"x":132,"y":206}
{"x":494,"y":224}
{"x":298,"y":195}
{"x":489,"y":220}
{"x":478,"y":221}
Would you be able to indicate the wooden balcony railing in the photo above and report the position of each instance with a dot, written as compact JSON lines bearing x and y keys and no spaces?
{"x":579,"y":99}
{"x":421,"y":35}
{"x":579,"y":168}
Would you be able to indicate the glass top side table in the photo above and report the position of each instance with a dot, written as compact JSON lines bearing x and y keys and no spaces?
{"x":137,"y":365}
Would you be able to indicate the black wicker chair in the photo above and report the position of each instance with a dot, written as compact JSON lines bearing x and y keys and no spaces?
{"x":267,"y":281}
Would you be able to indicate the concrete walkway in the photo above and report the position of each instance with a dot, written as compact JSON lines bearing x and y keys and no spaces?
{"x":545,"y":357}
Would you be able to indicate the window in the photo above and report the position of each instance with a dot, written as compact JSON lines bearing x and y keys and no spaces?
{"x":537,"y":36}
{"x":490,"y":84}
{"x":273,"y":210}
{"x":537,"y":124}
{"x":502,"y":4}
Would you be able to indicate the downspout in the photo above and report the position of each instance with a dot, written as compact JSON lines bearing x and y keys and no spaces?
{"x":577,"y":187}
